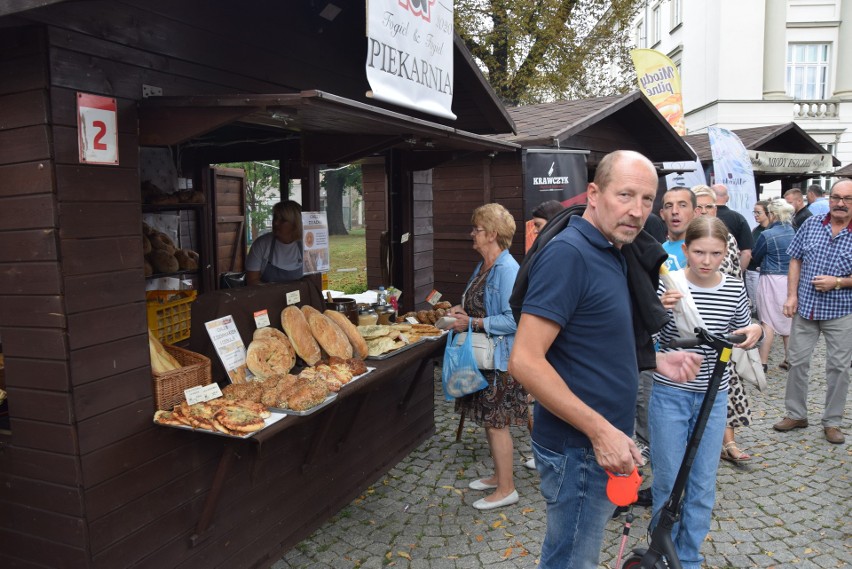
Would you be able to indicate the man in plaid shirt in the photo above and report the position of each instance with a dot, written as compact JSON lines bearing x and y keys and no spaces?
{"x":819,"y":299}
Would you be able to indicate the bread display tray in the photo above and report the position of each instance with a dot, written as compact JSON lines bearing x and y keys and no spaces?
{"x":313,"y":409}
{"x":391,"y":354}
{"x":277,"y":415}
{"x":436,"y":338}
{"x":357,"y":377}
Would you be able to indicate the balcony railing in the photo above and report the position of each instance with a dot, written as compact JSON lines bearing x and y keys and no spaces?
{"x":816,"y":109}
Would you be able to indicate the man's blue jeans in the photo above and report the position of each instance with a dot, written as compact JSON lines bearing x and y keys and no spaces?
{"x":574,"y":488}
{"x":672,"y":414}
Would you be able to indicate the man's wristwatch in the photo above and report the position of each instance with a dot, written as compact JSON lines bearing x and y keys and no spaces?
{"x":837,"y":286}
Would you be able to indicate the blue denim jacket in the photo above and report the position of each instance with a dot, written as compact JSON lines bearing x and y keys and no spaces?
{"x":770,"y":251}
{"x":500,"y":322}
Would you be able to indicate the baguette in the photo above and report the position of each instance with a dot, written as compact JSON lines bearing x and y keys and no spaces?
{"x":296,"y":327}
{"x":161,"y":360}
{"x":359,"y":345}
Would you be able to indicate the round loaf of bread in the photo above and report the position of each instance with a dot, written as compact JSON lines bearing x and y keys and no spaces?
{"x":329,"y":335}
{"x":296,"y":327}
{"x":186,"y":262}
{"x":163,"y":261}
{"x":268,"y":333}
{"x":359,"y":345}
{"x":266,"y":357}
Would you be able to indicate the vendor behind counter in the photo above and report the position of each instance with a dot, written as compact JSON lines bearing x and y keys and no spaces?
{"x":276,"y":257}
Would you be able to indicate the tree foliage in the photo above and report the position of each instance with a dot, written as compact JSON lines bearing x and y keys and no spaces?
{"x":335,"y":181}
{"x":263,"y":181}
{"x":534,"y":51}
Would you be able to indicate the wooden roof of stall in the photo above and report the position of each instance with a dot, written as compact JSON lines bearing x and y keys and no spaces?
{"x":844,"y":172}
{"x":314,"y":76}
{"x":787,"y":137}
{"x":601,"y":125}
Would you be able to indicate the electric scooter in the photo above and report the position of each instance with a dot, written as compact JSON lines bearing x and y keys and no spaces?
{"x":660,"y":553}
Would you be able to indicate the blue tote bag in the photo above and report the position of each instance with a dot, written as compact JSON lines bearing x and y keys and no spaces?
{"x":459,"y":375}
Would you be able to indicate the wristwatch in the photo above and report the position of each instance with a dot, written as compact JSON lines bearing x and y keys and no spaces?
{"x":837,"y":286}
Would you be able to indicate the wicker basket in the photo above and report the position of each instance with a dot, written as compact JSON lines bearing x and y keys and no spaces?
{"x":169,"y":386}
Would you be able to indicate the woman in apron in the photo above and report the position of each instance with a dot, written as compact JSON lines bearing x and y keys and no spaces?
{"x":276,"y":256}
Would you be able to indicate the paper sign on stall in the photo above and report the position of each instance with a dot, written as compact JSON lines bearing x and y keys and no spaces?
{"x":261,"y":318}
{"x":201,"y":393}
{"x":315,"y":242}
{"x":229,"y":347}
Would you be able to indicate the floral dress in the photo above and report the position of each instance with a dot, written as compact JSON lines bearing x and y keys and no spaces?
{"x":739,"y":410}
{"x":504,"y":401}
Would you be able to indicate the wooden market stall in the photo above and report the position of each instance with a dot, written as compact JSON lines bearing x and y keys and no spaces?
{"x":87,"y":479}
{"x":598,"y":126}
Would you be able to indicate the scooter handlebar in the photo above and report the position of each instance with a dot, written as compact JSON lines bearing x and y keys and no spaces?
{"x":693,"y":342}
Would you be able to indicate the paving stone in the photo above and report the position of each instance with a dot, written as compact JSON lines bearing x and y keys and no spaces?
{"x":789,"y":507}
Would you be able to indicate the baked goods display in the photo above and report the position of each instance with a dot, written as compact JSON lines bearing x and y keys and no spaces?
{"x":329,"y":335}
{"x":428,"y":316}
{"x":269,"y":355}
{"x":163,"y":256}
{"x":222,"y":415}
{"x":359,"y":345}
{"x":299,"y":332}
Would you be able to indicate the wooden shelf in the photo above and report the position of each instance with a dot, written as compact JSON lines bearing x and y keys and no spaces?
{"x":167,"y":207}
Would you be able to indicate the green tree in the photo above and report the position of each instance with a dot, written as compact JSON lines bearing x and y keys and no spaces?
{"x":335,"y":181}
{"x":263,"y":181}
{"x":543,"y":50}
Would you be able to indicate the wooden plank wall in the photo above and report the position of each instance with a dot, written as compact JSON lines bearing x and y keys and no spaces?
{"x":42,"y":509}
{"x":459,"y":187}
{"x":375,"y":187}
{"x":422,"y":238}
{"x":229,"y":201}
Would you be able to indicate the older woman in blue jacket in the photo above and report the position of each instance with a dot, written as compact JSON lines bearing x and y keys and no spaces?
{"x":485,"y":304}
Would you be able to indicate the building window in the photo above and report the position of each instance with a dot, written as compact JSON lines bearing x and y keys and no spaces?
{"x":640,"y":34}
{"x":657,"y":24}
{"x":677,"y":13}
{"x":807,"y":71}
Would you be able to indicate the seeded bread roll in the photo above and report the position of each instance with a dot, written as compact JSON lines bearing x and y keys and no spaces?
{"x":296,"y":327}
{"x":329,"y":335}
{"x":359,"y":344}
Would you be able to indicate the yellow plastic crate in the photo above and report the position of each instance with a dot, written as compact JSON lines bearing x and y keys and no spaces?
{"x":169,"y":314}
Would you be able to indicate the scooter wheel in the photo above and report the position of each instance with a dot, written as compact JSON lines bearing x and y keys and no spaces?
{"x":633,"y":562}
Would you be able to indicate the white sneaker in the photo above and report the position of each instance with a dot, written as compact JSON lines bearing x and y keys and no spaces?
{"x":483,"y":504}
{"x":530,"y":463}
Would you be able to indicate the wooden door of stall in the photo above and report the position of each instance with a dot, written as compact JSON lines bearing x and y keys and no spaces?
{"x":229,"y":215}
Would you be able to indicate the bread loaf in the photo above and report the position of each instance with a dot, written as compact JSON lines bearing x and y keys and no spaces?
{"x":307,"y":310}
{"x":163,"y":261}
{"x":296,"y":327}
{"x":267,"y":356}
{"x":185,"y":260}
{"x":359,"y":345}
{"x":329,"y":335}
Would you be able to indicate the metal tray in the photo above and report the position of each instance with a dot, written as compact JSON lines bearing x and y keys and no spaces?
{"x":435,"y":338}
{"x":357,"y":377}
{"x":391,"y":354}
{"x":276,"y":416}
{"x":313,"y":409}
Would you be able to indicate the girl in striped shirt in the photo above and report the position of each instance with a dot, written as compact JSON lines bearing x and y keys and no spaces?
{"x":722,"y":302}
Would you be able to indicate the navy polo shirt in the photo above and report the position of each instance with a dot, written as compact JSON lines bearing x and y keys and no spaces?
{"x":579,"y":281}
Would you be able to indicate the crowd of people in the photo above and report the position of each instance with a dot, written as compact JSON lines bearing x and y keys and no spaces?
{"x":601,"y":405}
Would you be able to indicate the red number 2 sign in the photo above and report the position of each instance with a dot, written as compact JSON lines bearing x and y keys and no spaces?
{"x":97,"y":127}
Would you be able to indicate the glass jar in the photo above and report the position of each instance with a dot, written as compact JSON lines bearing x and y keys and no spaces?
{"x":367,"y":317}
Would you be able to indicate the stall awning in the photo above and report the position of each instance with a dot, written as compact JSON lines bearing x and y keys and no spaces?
{"x":600,"y":125}
{"x":779,"y":138}
{"x":331,"y":128}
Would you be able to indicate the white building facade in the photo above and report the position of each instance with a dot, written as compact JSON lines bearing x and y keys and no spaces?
{"x":751,"y":63}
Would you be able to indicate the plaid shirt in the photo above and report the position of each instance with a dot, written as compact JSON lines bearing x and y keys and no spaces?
{"x":822,"y":254}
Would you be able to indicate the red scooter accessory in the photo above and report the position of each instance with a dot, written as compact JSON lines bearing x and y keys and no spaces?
{"x":623,"y":489}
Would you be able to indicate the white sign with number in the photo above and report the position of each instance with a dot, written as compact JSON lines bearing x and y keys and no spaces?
{"x":97,"y":129}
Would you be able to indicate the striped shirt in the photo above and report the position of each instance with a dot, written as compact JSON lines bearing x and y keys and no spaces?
{"x":724,"y":308}
{"x":822,"y":254}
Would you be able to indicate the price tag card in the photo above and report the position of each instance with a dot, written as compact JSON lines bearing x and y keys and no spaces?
{"x":293,"y":297}
{"x":434,"y":297}
{"x":261,"y":318}
{"x":412,"y":320}
{"x":201,"y":393}
{"x":97,"y":129}
{"x":229,"y":346}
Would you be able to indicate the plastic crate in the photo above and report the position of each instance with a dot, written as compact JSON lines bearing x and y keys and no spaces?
{"x":169,"y":314}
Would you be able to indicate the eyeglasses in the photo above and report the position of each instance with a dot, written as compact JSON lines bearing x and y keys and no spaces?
{"x":706,"y":208}
{"x":757,"y":212}
{"x":477,"y":229}
{"x":845,"y":199}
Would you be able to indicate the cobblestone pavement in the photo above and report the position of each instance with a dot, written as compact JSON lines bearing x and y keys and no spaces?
{"x":789,"y":507}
